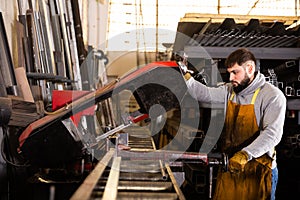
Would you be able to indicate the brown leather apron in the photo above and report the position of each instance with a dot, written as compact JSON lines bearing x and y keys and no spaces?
{"x":240,"y":130}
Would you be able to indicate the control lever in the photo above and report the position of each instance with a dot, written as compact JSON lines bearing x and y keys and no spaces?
{"x":184,"y":69}
{"x":197,"y":76}
{"x":218,"y":159}
{"x":127,"y":121}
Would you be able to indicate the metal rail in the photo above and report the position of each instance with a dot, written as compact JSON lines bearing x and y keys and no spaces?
{"x":129,"y":178}
{"x":176,"y":186}
{"x":85,"y":190}
{"x":142,"y":171}
{"x":111,"y":187}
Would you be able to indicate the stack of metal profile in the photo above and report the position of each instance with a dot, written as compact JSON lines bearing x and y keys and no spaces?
{"x":230,"y":31}
{"x":252,"y":34}
{"x":119,"y":177}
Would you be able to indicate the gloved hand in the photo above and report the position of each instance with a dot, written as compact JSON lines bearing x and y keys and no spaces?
{"x":185,"y":71}
{"x":238,"y":161}
{"x":187,"y":76}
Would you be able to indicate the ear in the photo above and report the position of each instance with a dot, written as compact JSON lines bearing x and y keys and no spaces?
{"x":250,"y":69}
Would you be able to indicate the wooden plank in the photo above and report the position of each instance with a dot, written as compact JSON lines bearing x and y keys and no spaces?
{"x":24,"y":113}
{"x":22,"y":82}
{"x":199,"y":17}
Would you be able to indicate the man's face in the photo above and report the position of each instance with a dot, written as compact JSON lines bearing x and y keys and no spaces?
{"x":240,"y":76}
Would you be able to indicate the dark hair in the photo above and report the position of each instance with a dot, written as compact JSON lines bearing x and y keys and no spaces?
{"x":239,"y":56}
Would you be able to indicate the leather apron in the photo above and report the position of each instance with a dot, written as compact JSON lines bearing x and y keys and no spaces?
{"x":240,"y":130}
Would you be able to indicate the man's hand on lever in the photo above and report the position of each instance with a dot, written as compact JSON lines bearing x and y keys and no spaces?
{"x":238,"y":162}
{"x":185,"y":71}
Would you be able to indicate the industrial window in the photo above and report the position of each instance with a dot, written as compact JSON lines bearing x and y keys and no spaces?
{"x":146,"y":24}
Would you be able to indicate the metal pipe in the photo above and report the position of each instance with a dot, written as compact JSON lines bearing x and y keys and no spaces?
{"x":164,"y":155}
{"x":65,"y":39}
{"x":48,"y":44}
{"x":163,"y":173}
{"x":138,"y":185}
{"x":210,"y":182}
{"x":73,"y":47}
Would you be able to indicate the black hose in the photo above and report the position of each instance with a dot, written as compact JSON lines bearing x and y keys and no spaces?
{"x":5,"y":141}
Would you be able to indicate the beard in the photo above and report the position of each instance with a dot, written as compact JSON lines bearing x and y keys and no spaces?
{"x":240,"y":86}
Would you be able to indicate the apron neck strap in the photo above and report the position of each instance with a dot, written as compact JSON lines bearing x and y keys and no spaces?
{"x":253,"y":97}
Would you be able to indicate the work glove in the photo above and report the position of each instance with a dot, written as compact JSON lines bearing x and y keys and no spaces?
{"x":185,"y":71}
{"x":238,"y":161}
{"x":187,"y":76}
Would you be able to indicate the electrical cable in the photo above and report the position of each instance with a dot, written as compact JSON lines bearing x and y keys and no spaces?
{"x":5,"y":137}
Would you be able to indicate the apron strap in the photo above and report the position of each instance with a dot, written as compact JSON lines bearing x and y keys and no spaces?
{"x":255,"y":95}
{"x":231,"y":96}
{"x":253,"y":98}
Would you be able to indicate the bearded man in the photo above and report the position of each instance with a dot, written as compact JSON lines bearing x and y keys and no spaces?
{"x":255,"y":114}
